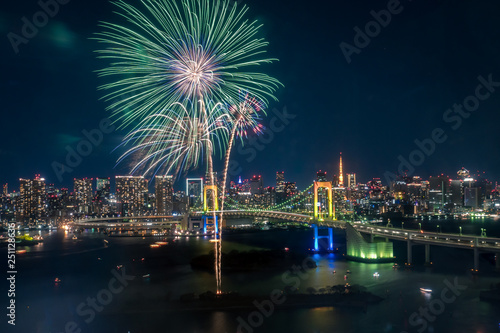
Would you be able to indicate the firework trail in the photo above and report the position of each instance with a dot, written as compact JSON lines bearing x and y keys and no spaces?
{"x":167,"y":54}
{"x":179,"y":138}
{"x":244,"y":119}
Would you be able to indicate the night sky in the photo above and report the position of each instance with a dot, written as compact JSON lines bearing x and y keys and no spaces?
{"x":396,"y":90}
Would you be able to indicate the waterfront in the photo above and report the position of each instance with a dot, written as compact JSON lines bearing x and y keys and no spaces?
{"x":85,"y":266}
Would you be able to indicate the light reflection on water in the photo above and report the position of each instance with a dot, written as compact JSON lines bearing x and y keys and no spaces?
{"x":82,"y":274}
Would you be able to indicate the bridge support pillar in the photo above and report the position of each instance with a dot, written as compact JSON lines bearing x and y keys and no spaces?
{"x":316,"y":244}
{"x":209,"y":224}
{"x":409,"y":260}
{"x":317,"y":237}
{"x":476,"y":260}
{"x":428,"y":254}
{"x":330,"y":238}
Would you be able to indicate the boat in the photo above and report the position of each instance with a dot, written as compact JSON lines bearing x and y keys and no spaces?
{"x":74,"y":237}
{"x":26,"y":240}
{"x":424,"y":290}
{"x":146,"y":276}
{"x":106,"y":241}
{"x":21,"y":251}
{"x":119,"y":266}
{"x":57,"y":280}
{"x":376,"y":274}
{"x":154,"y":245}
{"x":348,"y":272}
{"x":162,"y":243}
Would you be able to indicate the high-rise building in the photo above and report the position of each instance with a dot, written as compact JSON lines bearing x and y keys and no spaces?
{"x":103,"y":184}
{"x":321,"y":176}
{"x":269,"y":197}
{"x":6,"y":189}
{"x":457,"y":192}
{"x":280,"y":187}
{"x":351,"y":180}
{"x":164,"y":192}
{"x":256,"y":185}
{"x":83,"y":195}
{"x":194,"y":192}
{"x":32,"y":196}
{"x":335,"y":181}
{"x":131,"y":192}
{"x":101,"y":201}
{"x":471,"y":197}
{"x":439,"y":191}
{"x":280,"y":181}
{"x":290,"y":189}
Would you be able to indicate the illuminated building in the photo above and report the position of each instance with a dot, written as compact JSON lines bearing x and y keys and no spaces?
{"x":103,"y":184}
{"x":256,"y":185}
{"x":102,"y":196}
{"x":439,"y":192}
{"x":32,"y":200}
{"x":6,"y":189}
{"x":457,"y":192}
{"x":290,"y":189}
{"x":83,"y":194}
{"x":321,"y":176}
{"x":335,"y":181}
{"x":269,"y":197}
{"x":280,"y":187}
{"x":131,"y":192}
{"x":471,"y":197}
{"x":280,"y":181}
{"x":351,"y":180}
{"x":164,"y":191}
{"x":194,"y":192}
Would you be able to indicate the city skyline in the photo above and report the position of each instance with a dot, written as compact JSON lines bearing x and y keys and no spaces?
{"x":342,"y":109}
{"x":250,"y":165}
{"x":270,"y":181}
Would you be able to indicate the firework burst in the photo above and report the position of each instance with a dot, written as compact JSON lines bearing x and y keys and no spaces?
{"x":169,"y":53}
{"x":178,"y":139}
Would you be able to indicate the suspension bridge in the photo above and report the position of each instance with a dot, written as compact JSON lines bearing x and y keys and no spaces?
{"x":364,"y":241}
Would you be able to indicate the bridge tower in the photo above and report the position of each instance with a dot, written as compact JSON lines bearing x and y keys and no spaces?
{"x":205,"y":201}
{"x":210,"y":221}
{"x":328,"y":186}
{"x":317,"y":237}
